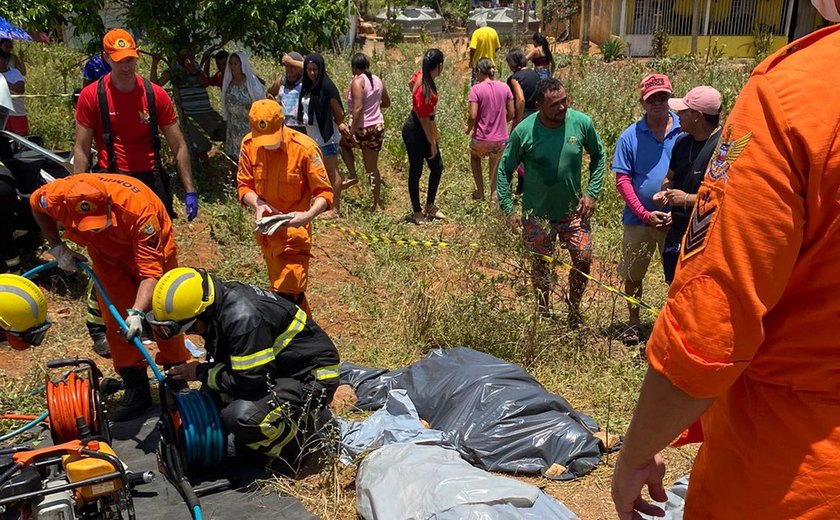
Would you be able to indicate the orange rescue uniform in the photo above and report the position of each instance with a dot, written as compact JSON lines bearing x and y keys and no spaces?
{"x":287,"y":178}
{"x":753,"y":316}
{"x":138,"y":244}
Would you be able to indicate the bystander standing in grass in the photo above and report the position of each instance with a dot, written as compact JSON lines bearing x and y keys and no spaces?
{"x":421,"y":137}
{"x":640,"y":163}
{"x":550,"y":144}
{"x":366,"y":95}
{"x":491,"y":107}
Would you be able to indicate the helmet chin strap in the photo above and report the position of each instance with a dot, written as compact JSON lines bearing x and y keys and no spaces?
{"x":827,"y":9}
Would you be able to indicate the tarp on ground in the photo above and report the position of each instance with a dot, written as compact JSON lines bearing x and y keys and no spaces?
{"x":135,"y":442}
{"x":496,"y":415}
{"x":396,"y":422}
{"x":417,"y":482}
{"x":675,"y":506}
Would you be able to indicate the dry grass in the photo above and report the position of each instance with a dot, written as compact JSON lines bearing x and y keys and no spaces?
{"x":387,"y":305}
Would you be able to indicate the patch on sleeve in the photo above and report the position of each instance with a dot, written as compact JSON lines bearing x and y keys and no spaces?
{"x":152,"y":233}
{"x":728,"y":151}
{"x":316,"y":159}
{"x":43,"y":201}
{"x":702,"y":220}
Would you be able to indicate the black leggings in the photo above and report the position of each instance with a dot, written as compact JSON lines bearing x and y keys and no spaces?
{"x":419,"y":149}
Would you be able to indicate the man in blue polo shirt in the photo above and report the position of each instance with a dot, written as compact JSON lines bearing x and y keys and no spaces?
{"x":641,"y":160}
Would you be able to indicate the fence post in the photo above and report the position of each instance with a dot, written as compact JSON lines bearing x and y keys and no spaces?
{"x":585,"y":21}
{"x":695,"y":27}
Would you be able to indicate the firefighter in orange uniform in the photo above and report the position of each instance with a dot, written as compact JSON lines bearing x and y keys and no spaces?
{"x":748,"y":338}
{"x":281,"y":171}
{"x":128,"y":235}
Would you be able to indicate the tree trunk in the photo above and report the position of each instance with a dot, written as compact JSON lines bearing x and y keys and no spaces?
{"x":526,"y":11}
{"x":514,"y":27}
{"x":585,"y":20}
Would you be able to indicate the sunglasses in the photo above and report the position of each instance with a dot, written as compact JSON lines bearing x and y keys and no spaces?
{"x":170,"y":328}
{"x":33,"y":336}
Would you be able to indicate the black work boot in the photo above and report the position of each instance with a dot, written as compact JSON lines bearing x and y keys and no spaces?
{"x":100,"y":345}
{"x":137,"y":396}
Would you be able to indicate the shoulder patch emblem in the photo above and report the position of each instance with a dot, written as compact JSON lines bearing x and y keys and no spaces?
{"x":727,"y":152}
{"x":702,"y":220}
{"x":573,"y":139}
{"x":152,"y":236}
{"x":43,"y":201}
{"x":316,"y":159}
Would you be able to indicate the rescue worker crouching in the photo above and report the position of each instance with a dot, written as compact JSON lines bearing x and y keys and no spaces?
{"x":23,"y":312}
{"x":273,"y":368}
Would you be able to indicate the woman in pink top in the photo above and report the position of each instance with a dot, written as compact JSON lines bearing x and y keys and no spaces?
{"x":491,"y":107}
{"x":365,"y":96}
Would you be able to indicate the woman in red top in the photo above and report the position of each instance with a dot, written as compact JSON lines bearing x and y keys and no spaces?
{"x":420,"y":135}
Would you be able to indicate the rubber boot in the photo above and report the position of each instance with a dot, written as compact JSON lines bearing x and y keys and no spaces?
{"x":137,"y":396}
{"x":100,"y":345}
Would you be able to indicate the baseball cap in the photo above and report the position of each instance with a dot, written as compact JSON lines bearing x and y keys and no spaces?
{"x":119,"y":45}
{"x":295,"y":56}
{"x":266,"y":117}
{"x":653,"y":83}
{"x":86,"y":199}
{"x":704,"y":99}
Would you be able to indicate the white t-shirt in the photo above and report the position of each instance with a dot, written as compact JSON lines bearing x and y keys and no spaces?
{"x":14,"y":76}
{"x":312,"y":129}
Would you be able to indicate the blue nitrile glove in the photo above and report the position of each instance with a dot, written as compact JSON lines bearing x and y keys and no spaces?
{"x":191,"y":201}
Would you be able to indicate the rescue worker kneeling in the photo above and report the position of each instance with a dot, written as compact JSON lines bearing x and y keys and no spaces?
{"x":273,"y":368}
{"x":23,"y":312}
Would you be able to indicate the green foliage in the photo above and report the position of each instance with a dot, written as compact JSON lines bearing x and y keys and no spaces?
{"x":425,"y":37}
{"x":391,"y":33}
{"x":613,"y":49}
{"x":762,"y":41}
{"x":559,"y":10}
{"x":660,"y":42}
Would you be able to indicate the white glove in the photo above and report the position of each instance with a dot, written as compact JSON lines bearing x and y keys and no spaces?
{"x":268,"y":225}
{"x":66,"y":258}
{"x":134,"y":320}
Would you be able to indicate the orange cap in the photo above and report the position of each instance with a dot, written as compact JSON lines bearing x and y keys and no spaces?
{"x":266,"y":117}
{"x":87,"y":202}
{"x":119,"y":45}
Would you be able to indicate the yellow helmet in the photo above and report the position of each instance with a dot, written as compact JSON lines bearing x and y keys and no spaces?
{"x":23,"y":311}
{"x":182,"y":294}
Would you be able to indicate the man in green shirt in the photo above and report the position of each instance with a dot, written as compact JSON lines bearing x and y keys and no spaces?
{"x":550,"y":145}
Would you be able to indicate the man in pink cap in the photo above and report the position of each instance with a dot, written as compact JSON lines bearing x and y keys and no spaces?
{"x":699,"y":115}
{"x":641,"y":160}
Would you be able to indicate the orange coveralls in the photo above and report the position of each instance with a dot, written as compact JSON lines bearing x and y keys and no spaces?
{"x":287,"y":178}
{"x":753,"y":316}
{"x":138,"y":244}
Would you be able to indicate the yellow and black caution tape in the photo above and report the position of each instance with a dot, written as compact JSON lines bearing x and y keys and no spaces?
{"x":569,"y":267}
{"x":437,"y":244}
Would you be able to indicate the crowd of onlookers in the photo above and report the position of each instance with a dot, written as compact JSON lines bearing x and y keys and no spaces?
{"x":523,"y":125}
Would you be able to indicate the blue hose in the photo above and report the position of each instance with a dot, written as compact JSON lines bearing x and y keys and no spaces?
{"x":28,"y":426}
{"x":202,"y":426}
{"x":137,"y":343}
{"x":43,"y":267}
{"x":203,"y":435}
